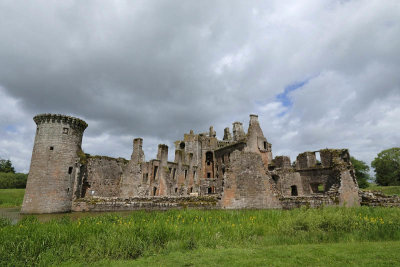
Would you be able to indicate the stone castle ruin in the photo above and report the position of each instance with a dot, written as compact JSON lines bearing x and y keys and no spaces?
{"x":234,"y":173}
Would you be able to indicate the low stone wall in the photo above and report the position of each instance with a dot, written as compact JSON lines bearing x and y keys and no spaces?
{"x":314,"y":201}
{"x":378,"y":199}
{"x":144,"y":203}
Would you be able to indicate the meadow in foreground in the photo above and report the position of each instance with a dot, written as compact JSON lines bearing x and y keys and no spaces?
{"x":154,"y":235}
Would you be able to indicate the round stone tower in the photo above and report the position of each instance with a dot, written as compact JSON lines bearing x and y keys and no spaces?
{"x":54,"y":164}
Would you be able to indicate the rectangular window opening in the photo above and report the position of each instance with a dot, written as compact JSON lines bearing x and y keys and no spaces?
{"x":52,"y":148}
{"x":70,"y":170}
{"x":145,"y":177}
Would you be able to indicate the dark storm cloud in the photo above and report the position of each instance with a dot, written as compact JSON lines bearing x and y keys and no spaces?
{"x":133,"y":67}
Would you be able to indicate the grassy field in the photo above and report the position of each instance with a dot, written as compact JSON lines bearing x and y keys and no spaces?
{"x":11,"y":197}
{"x":196,"y":237}
{"x":388,"y":190}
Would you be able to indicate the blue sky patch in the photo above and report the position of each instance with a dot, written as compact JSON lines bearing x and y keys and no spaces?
{"x":284,"y":97}
{"x":11,"y":128}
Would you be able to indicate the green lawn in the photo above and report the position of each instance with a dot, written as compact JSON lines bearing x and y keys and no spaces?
{"x":336,"y":254}
{"x":11,"y":197}
{"x":388,"y":190}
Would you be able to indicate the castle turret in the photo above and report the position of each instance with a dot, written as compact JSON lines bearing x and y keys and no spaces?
{"x":54,"y":164}
{"x":256,"y":142}
{"x":238,"y":132}
{"x":227,"y":135}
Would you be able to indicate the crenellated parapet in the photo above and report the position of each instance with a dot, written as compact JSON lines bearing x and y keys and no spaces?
{"x":58,"y":118}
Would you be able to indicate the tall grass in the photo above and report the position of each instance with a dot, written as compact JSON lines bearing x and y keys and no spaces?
{"x":140,"y":233}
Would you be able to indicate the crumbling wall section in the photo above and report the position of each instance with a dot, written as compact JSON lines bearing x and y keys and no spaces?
{"x":378,"y":199}
{"x":144,"y":203}
{"x":134,"y":180}
{"x":103,"y":176}
{"x":247,"y":184}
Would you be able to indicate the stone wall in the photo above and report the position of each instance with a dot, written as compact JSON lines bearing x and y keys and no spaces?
{"x":102,"y":176}
{"x":247,"y":184}
{"x":140,"y":203}
{"x":306,"y":201}
{"x":378,"y":199}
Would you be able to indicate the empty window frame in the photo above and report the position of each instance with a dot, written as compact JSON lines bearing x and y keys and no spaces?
{"x":294,"y":190}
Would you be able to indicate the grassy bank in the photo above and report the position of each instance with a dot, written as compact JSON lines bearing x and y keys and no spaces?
{"x":11,"y":197}
{"x":153,"y":236}
{"x":388,"y":190}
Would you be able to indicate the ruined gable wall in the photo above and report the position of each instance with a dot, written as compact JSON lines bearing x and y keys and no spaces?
{"x":246,"y":183}
{"x":133,"y":175}
{"x":348,"y":190}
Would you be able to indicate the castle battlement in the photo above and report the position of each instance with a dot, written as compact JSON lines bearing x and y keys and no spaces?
{"x":58,"y":118}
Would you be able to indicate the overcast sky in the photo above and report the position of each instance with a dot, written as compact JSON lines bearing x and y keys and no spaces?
{"x":318,"y":73}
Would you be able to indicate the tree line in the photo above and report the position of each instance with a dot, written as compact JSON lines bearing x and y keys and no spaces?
{"x":9,"y":178}
{"x":386,"y":166}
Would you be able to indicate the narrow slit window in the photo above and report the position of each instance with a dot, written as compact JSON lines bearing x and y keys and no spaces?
{"x":155,"y":172}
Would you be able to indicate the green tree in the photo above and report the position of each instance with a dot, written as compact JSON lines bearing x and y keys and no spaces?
{"x":6,"y":166}
{"x":387,"y":167}
{"x":362,"y":170}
